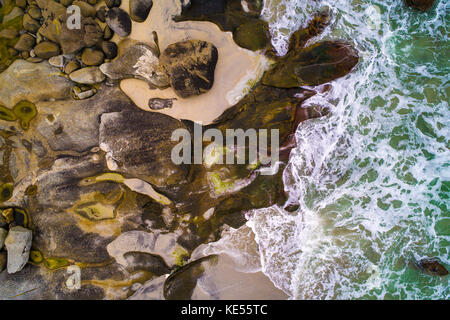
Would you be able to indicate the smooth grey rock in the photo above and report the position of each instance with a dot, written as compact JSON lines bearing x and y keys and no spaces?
{"x":18,"y":245}
{"x":3,"y":233}
{"x":89,"y":75}
{"x":140,"y":9}
{"x":138,"y":61}
{"x":119,"y":21}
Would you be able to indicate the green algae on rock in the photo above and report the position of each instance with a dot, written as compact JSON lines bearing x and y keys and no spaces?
{"x":25,"y":112}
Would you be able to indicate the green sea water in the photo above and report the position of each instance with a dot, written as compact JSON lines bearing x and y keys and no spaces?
{"x":372,"y":179}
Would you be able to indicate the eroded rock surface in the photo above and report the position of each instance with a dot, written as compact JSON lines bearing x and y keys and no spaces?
{"x":18,"y":245}
{"x":190,"y":66}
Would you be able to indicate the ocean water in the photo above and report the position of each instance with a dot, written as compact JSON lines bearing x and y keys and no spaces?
{"x":372,"y":179}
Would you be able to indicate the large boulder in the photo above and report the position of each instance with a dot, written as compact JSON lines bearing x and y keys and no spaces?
{"x":314,"y":65}
{"x":422,"y":5}
{"x":18,"y":244}
{"x":190,"y":66}
{"x":139,"y":143}
{"x":138,"y":61}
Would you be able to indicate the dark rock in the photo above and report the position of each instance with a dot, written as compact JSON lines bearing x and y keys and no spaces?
{"x":46,"y":50}
{"x":119,"y":21}
{"x":25,"y":43}
{"x":144,"y":148}
{"x":137,"y":261}
{"x":109,"y":48}
{"x":3,"y":234}
{"x":432,"y":266}
{"x":254,"y":7}
{"x":159,"y":104}
{"x":422,"y":5}
{"x":229,"y":15}
{"x":314,"y":65}
{"x":113,"y":3}
{"x":101,"y":14}
{"x":91,"y":57}
{"x":138,"y":61}
{"x":253,"y":35}
{"x":29,"y":24}
{"x":139,"y":9}
{"x":190,"y":66}
{"x":2,"y":261}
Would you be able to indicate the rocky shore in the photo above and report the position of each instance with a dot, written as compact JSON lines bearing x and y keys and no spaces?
{"x":86,"y":118}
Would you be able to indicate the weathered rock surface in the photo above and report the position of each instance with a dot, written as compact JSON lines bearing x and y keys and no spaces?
{"x":119,"y":21}
{"x":190,"y":66}
{"x":33,"y":82}
{"x":139,"y":9}
{"x":422,"y":5}
{"x":88,"y":75}
{"x":18,"y":245}
{"x":138,"y":61}
{"x":320,"y":63}
{"x":158,"y":104}
{"x":25,"y":43}
{"x":139,"y":144}
{"x":30,"y":24}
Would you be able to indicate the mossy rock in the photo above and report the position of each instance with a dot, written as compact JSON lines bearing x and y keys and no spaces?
{"x":253,"y":35}
{"x":25,"y":111}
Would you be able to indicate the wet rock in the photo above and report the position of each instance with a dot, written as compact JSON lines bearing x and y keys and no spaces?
{"x":181,"y":284}
{"x":119,"y":21}
{"x":138,"y":61}
{"x":3,"y":234}
{"x":18,"y":245}
{"x":253,"y":35}
{"x":46,"y":50}
{"x":33,"y":82}
{"x":139,"y":9}
{"x":190,"y":66}
{"x":25,"y":43}
{"x":113,"y":3}
{"x":109,"y":48}
{"x":143,"y":149}
{"x":137,"y":261}
{"x":71,"y":66}
{"x":159,"y":104}
{"x":229,"y":15}
{"x":91,"y":57}
{"x":8,"y":33}
{"x":88,"y":75}
{"x":422,"y":5}
{"x":314,"y":65}
{"x":254,"y":7}
{"x":86,"y":9}
{"x":29,"y":24}
{"x":432,"y":266}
